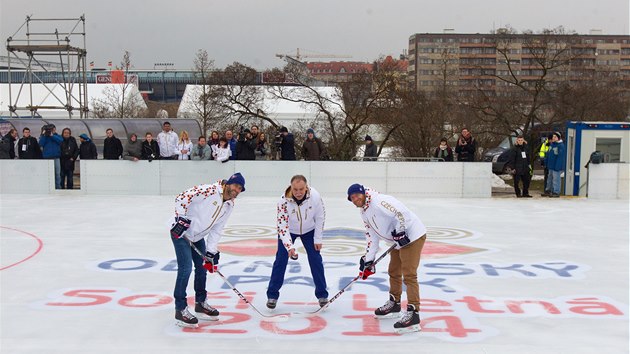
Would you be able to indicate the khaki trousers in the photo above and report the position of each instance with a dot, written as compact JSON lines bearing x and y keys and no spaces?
{"x":403,"y":266}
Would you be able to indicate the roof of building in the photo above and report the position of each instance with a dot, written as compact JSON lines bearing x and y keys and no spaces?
{"x":54,"y":95}
{"x":338,"y":67}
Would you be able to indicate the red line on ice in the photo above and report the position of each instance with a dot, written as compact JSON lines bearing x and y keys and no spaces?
{"x":40,"y":244}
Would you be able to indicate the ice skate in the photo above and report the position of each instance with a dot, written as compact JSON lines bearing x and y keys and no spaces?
{"x":207,"y":312}
{"x":271,"y":304}
{"x":184,"y":318}
{"x":410,"y":322}
{"x":391,"y":309}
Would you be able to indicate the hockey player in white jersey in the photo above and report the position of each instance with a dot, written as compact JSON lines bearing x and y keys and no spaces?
{"x":300,"y":214}
{"x":388,"y":219}
{"x":201,"y":212}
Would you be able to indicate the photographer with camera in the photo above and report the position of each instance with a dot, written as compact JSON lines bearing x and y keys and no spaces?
{"x":285,"y":142}
{"x":50,"y":142}
{"x":245,"y":146}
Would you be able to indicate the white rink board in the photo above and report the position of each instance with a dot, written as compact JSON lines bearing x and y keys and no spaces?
{"x":177,"y":176}
{"x":105,"y":177}
{"x":27,"y":176}
{"x":435,"y":179}
{"x":477,"y":180}
{"x":608,"y":181}
{"x":269,"y":178}
{"x":265,"y":178}
{"x":333,"y":178}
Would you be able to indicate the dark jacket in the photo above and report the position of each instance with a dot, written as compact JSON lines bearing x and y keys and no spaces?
{"x":51,"y":146}
{"x":466,"y":152}
{"x":446,"y":154}
{"x":370,"y":151}
{"x":287,"y":149}
{"x":150,"y":151}
{"x":555,"y":157}
{"x":69,"y":153}
{"x":7,"y":149}
{"x":519,"y":159}
{"x":245,"y":149}
{"x":28,"y":148}
{"x":133,"y":149}
{"x":87,"y":150}
{"x":313,"y":150}
{"x":112,"y":148}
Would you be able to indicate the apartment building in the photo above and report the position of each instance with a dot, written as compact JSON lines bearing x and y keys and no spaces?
{"x":470,"y":62}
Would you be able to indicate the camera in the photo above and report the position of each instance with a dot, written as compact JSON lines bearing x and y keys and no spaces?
{"x":277,"y":139}
{"x":47,"y":129}
{"x":242,"y":136}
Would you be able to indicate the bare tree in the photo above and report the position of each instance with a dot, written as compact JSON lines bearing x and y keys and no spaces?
{"x":206,"y":94}
{"x":120,"y":100}
{"x":423,"y":122}
{"x":239,"y":98}
{"x":599,"y":96}
{"x":343,"y":116}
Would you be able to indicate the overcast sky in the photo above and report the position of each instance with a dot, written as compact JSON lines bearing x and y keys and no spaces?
{"x":253,"y":31}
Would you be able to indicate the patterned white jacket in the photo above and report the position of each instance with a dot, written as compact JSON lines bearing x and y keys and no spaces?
{"x":208,"y":213}
{"x":300,"y":219}
{"x":383,"y":214}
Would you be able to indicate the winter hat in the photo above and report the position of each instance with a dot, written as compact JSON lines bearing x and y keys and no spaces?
{"x":355,"y":188}
{"x":310,"y":131}
{"x":558,"y":135}
{"x":284,"y":130}
{"x":84,"y":137}
{"x":368,"y":138}
{"x":237,"y":178}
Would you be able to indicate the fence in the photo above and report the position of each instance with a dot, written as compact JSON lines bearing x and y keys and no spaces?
{"x":263,"y":178}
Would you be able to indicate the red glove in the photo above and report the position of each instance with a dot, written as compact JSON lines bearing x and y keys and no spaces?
{"x":211,"y":262}
{"x":366,"y":268}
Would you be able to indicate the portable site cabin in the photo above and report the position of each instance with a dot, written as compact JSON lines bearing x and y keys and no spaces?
{"x":611,"y":139}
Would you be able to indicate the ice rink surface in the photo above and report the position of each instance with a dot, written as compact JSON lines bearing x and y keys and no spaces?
{"x":95,"y":274}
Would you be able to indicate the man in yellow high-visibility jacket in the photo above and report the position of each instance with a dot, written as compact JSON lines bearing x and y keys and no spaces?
{"x":541,"y":155}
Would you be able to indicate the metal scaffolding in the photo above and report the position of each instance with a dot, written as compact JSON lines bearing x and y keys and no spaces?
{"x":33,"y":40}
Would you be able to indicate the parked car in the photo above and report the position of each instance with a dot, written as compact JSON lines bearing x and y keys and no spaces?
{"x":499,"y":155}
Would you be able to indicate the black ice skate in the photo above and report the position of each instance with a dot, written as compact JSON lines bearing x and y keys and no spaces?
{"x":410,"y":322}
{"x":209,"y":312}
{"x":184,"y":318}
{"x":322,"y":301}
{"x":391,"y":309}
{"x":271,"y":304}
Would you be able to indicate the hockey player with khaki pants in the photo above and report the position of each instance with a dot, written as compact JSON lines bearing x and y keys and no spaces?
{"x":388,"y":219}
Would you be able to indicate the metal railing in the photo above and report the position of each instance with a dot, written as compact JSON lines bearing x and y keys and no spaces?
{"x":398,"y":159}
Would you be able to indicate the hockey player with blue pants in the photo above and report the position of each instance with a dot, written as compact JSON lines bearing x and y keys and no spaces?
{"x":300,"y":214}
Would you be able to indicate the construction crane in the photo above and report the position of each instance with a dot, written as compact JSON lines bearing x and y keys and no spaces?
{"x":299,"y":56}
